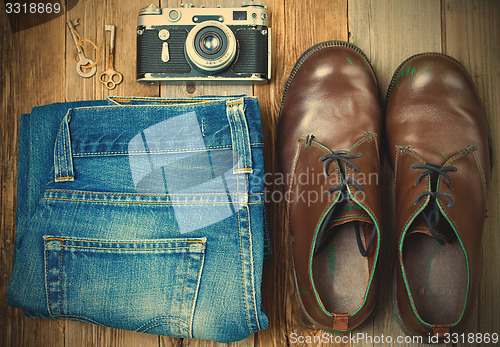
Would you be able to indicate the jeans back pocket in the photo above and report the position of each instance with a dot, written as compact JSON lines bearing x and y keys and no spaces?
{"x":142,"y":285}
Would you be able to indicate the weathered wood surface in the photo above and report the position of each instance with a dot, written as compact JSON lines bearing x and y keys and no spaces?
{"x":389,"y":32}
{"x":36,"y":68}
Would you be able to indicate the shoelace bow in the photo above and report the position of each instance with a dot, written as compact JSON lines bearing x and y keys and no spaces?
{"x":344,"y":156}
{"x":432,"y":217}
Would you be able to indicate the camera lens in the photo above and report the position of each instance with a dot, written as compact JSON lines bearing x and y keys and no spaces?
{"x":211,"y":46}
{"x":211,"y":43}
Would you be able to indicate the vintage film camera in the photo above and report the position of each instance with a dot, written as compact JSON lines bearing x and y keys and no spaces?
{"x":188,"y":43}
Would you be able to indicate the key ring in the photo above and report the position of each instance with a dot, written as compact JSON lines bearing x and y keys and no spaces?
{"x":80,"y":43}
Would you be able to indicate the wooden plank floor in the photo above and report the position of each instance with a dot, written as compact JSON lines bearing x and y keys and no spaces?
{"x":36,"y":68}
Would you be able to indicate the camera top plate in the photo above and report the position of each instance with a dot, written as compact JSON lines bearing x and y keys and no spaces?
{"x":153,"y":17}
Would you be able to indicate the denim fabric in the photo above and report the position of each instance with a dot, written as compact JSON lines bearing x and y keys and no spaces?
{"x":143,"y":214}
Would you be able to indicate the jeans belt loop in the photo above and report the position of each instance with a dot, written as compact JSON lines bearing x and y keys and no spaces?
{"x":63,"y":157}
{"x":240,"y":136}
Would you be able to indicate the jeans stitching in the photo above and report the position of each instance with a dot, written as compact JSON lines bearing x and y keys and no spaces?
{"x":234,"y":134}
{"x":145,"y":195}
{"x":150,"y":106}
{"x":60,"y":279}
{"x":49,"y":308}
{"x":183,"y":288}
{"x":245,"y":139}
{"x":237,"y":187}
{"x":246,"y":136}
{"x":125,"y":249}
{"x":63,"y":167}
{"x":195,"y":297}
{"x":69,"y":155}
{"x":58,"y":169}
{"x":158,"y":324}
{"x":240,"y":142}
{"x":151,"y":203}
{"x":164,"y":151}
{"x":190,"y":101}
{"x":235,"y":138}
{"x":158,"y":318}
{"x":193,"y":99}
{"x":242,"y":272}
{"x":131,"y":241}
{"x":67,"y":173}
{"x":266,"y":229}
{"x":254,"y":301}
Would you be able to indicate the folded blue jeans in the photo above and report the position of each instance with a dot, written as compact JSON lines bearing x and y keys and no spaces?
{"x":143,"y":214}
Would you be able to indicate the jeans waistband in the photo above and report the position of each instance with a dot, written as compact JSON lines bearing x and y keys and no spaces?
{"x":81,"y":131}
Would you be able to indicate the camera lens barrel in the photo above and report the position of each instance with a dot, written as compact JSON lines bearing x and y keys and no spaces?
{"x":211,"y":46}
{"x":211,"y":43}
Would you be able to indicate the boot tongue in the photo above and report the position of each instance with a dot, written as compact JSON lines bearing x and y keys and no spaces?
{"x":420,"y":227}
{"x":342,"y":213}
{"x":349,"y":212}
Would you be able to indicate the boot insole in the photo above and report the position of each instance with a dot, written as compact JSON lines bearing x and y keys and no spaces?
{"x":437,"y":277}
{"x":340,"y":272}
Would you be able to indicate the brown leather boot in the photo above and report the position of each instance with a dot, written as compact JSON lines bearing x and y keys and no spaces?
{"x":439,"y":144}
{"x":328,"y":150}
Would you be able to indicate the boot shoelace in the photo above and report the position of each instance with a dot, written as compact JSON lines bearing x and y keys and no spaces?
{"x":432,"y":216}
{"x":326,"y":160}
